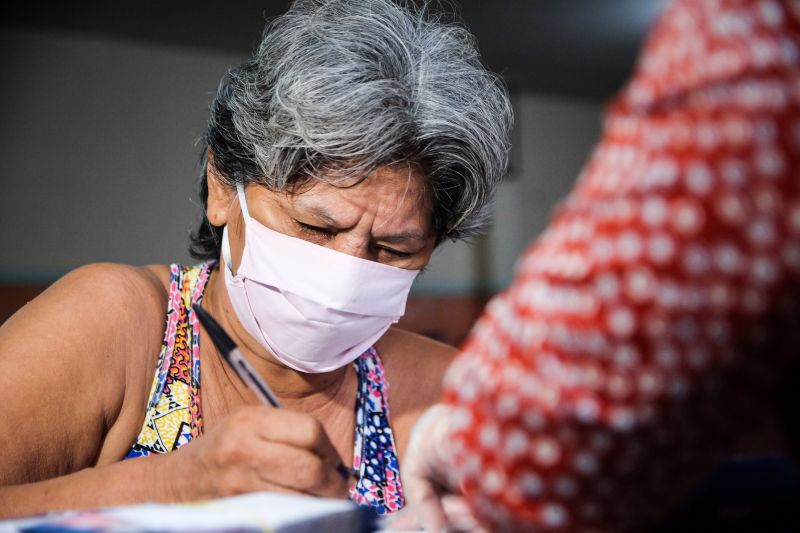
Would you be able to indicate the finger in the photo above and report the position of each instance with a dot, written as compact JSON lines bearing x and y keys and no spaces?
{"x":295,"y":429}
{"x":304,"y":431}
{"x":268,"y":425}
{"x":243,"y":472}
{"x":459,"y":515}
{"x":422,"y":470}
{"x":424,"y":495}
{"x":298,"y":470}
{"x":405,"y":519}
{"x":429,"y":507}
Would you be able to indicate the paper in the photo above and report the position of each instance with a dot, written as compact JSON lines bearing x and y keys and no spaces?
{"x":257,"y":512}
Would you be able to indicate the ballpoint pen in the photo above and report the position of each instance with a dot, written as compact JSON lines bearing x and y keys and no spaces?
{"x":231,"y":354}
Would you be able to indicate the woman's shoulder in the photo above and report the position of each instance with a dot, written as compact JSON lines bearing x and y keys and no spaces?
{"x":128,"y":305}
{"x":94,"y":336}
{"x":414,"y":367}
{"x":120,"y":289}
{"x":402,"y":351}
{"x":117,"y":309}
{"x":111,"y":288}
{"x":123,"y":302}
{"x":119,"y":279}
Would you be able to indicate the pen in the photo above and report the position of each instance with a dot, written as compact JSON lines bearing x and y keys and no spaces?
{"x":228,"y":350}
{"x":231,"y":354}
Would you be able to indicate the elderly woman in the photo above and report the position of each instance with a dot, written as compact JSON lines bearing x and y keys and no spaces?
{"x":359,"y":137}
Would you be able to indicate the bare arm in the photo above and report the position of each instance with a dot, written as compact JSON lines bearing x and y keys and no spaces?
{"x":75,"y":365}
{"x":71,"y":417}
{"x":124,"y":482}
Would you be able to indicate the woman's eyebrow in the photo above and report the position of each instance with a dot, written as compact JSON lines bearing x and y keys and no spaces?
{"x":402,"y":237}
{"x":323,"y":216}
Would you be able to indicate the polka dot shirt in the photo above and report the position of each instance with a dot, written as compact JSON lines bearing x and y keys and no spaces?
{"x":648,"y":327}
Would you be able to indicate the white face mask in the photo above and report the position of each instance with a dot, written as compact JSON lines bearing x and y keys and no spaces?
{"x":315,"y":309}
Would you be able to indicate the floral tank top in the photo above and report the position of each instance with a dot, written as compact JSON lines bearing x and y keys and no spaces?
{"x":174,"y":412}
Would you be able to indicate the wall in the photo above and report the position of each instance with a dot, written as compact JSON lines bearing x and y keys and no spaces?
{"x":98,"y":154}
{"x":98,"y":162}
{"x":555,"y":138}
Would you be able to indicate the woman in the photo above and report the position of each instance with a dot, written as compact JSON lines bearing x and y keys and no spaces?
{"x":648,"y":331}
{"x":358,"y":138}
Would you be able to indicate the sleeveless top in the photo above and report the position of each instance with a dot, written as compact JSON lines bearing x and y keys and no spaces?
{"x":174,"y":410}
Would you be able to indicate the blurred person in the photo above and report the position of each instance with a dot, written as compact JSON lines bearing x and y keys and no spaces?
{"x":359,"y":136}
{"x":648,"y":330}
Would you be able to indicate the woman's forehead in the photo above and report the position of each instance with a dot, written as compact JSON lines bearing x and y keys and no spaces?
{"x":394,"y":195}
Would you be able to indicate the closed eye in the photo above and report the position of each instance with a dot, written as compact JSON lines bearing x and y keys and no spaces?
{"x":396,"y":253}
{"x":315,"y":231}
{"x":318,"y":233}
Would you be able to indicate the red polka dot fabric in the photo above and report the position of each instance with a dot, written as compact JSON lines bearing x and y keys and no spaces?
{"x":649,"y":326}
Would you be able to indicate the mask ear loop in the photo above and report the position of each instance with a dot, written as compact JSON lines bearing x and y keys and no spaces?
{"x":243,"y":202}
{"x":226,"y":245}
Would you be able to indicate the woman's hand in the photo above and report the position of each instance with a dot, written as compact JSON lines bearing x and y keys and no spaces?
{"x":257,"y":448}
{"x":434,"y":502}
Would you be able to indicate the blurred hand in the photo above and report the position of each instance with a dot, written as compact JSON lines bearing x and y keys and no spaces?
{"x":432,"y":493}
{"x":257,"y":448}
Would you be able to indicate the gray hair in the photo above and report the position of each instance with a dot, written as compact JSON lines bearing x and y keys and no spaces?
{"x":354,"y":85}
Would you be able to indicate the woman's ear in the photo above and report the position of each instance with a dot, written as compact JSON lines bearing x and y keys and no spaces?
{"x":220,"y":194}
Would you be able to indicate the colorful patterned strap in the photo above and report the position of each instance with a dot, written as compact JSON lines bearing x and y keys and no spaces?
{"x":174,"y":416}
{"x":374,"y":457}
